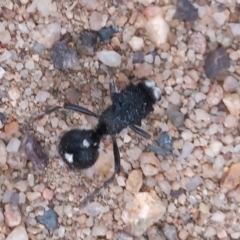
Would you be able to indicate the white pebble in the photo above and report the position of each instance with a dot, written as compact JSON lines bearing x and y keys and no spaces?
{"x":61,"y":231}
{"x":30,"y":64}
{"x":42,"y":96}
{"x":109,"y":58}
{"x":218,"y":217}
{"x":13,"y":145}
{"x":99,"y":230}
{"x":2,"y":72}
{"x":14,"y":93}
{"x":136,"y":43}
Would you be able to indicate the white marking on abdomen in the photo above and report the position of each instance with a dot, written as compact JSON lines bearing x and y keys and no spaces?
{"x":69,"y":157}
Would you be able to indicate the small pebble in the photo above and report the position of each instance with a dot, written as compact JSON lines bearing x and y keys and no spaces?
{"x":109,"y":58}
{"x":99,"y":230}
{"x":97,"y":21}
{"x":230,"y":84}
{"x":31,"y":196}
{"x":170,"y":232}
{"x":63,"y":56}
{"x":35,"y":152}
{"x":175,"y":116}
{"x":87,"y":43}
{"x":136,"y":43}
{"x":93,"y":209}
{"x":3,"y":154}
{"x":13,"y":145}
{"x":14,"y":93}
{"x":48,"y":194}
{"x":42,"y":96}
{"x":2,"y":72}
{"x":193,"y":183}
{"x":12,"y":215}
{"x":30,"y":65}
{"x":106,"y":33}
{"x":134,"y":181}
{"x":156,"y":27}
{"x":49,"y":219}
{"x":5,"y":37}
{"x":19,"y":233}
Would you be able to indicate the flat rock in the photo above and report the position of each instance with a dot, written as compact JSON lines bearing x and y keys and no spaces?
{"x":3,"y":154}
{"x":215,"y":95}
{"x":18,"y":233}
{"x":231,"y":178}
{"x":49,"y":220}
{"x":142,"y":212}
{"x":12,"y":215}
{"x":149,"y":164}
{"x":97,"y":21}
{"x":134,"y":181}
{"x":109,"y":58}
{"x":232,"y":102}
{"x":156,"y":27}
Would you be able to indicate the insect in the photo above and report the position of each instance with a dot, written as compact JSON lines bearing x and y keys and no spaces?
{"x":79,"y":149}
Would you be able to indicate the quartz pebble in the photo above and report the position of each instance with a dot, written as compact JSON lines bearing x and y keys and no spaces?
{"x":42,"y":96}
{"x":215,"y":95}
{"x":142,"y":212}
{"x":19,"y":233}
{"x":230,"y":84}
{"x":235,"y":28}
{"x":46,"y":35}
{"x":149,"y":164}
{"x":93,"y":209}
{"x":31,"y":196}
{"x":13,"y":145}
{"x":136,"y":43}
{"x":3,"y":154}
{"x":193,"y":183}
{"x":156,"y":27}
{"x":146,"y":2}
{"x":232,"y":102}
{"x":5,"y":37}
{"x":12,"y":215}
{"x":134,"y":181}
{"x":109,"y":58}
{"x":97,"y":21}
{"x":14,"y":93}
{"x":197,"y":42}
{"x":99,"y":230}
{"x":2,"y":72}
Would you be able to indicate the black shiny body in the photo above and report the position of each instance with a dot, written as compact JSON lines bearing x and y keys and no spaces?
{"x":79,"y":149}
{"x":128,"y":108}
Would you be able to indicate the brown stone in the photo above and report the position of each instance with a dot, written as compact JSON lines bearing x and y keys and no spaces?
{"x":231,"y":178}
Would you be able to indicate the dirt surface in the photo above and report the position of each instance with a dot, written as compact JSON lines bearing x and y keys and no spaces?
{"x":190,"y":188}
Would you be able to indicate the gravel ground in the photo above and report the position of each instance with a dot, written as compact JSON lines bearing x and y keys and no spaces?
{"x":188,"y":189}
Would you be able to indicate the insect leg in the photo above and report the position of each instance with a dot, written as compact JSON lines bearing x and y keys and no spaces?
{"x":110,"y":180}
{"x":80,"y":109}
{"x":140,"y":132}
